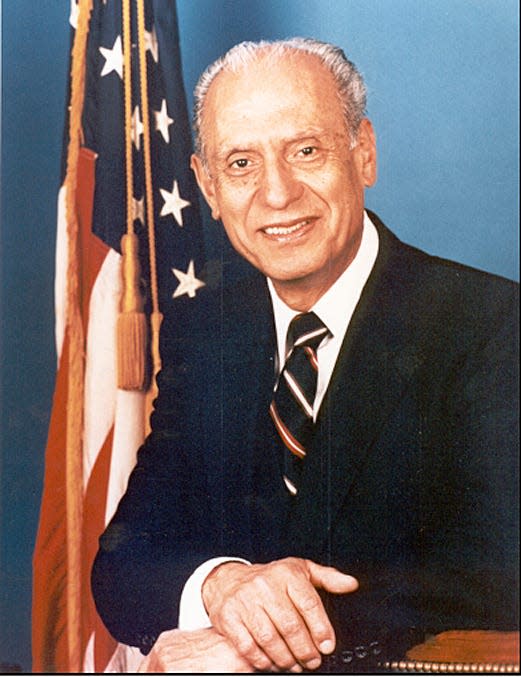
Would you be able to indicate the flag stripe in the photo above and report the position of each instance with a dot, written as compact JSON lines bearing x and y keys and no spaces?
{"x":49,"y":615}
{"x":93,"y":525}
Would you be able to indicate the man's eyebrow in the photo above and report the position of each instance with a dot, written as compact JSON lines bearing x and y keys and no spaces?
{"x":306,"y":135}
{"x":224,"y":153}
{"x":319,"y":134}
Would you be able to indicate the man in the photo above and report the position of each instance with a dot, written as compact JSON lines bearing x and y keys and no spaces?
{"x":370,"y":513}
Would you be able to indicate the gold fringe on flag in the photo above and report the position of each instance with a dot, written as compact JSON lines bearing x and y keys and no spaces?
{"x":132,"y":323}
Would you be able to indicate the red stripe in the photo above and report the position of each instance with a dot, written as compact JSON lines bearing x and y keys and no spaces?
{"x":289,"y":441}
{"x":49,"y":612}
{"x":49,"y":622}
{"x":312,"y":356}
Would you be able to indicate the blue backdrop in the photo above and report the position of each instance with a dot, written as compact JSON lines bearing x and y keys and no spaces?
{"x":444,"y":99}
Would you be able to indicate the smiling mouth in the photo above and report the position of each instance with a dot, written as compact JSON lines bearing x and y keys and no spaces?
{"x":284,"y":231}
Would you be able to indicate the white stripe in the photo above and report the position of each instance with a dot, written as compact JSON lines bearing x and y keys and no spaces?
{"x":100,"y":363}
{"x":105,"y":406}
{"x":298,"y":394}
{"x":305,"y":337}
{"x":290,"y":486}
{"x":88,"y":658}
{"x":60,"y":276}
{"x":124,"y":660}
{"x":129,"y":433}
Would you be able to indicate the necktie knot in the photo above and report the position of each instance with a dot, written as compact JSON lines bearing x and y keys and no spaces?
{"x":306,"y":329}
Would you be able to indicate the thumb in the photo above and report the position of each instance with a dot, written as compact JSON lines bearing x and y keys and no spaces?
{"x":330,"y":579}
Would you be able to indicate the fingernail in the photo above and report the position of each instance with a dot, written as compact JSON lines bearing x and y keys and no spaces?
{"x":296,"y":668}
{"x":327,"y":646}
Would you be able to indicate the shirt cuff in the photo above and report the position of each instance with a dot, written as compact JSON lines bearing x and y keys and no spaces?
{"x":192,"y":614}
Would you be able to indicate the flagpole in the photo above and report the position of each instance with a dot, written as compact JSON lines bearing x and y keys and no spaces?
{"x":74,"y":433}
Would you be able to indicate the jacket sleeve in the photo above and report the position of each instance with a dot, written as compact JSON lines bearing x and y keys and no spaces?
{"x":162,"y":529}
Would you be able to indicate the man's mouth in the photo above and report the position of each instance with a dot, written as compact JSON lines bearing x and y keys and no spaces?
{"x":284,"y":231}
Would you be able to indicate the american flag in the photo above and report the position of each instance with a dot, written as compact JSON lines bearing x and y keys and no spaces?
{"x":69,"y":636}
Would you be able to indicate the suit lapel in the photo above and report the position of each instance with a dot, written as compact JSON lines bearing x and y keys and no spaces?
{"x":377,"y":360}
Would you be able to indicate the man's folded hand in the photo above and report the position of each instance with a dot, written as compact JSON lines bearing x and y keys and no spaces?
{"x":193,"y":651}
{"x":272,"y":613}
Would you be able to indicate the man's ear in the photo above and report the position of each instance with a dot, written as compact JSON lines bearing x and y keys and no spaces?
{"x":366,"y":149}
{"x":205,"y":183}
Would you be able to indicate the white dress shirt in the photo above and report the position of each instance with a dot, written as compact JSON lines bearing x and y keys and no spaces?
{"x":335,"y":308}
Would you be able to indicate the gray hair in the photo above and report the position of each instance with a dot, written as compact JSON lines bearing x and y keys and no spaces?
{"x":351,"y":86}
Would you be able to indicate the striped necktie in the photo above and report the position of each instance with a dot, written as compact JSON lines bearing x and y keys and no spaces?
{"x":292,"y":406}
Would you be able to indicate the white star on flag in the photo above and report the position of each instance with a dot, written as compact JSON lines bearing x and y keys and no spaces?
{"x":163,"y":121}
{"x":188,"y":283}
{"x":137,"y":128}
{"x":138,"y":209}
{"x":151,"y":43}
{"x":113,"y":58}
{"x":174,"y":203}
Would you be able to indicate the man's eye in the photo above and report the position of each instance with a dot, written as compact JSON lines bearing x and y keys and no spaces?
{"x":308,"y":150}
{"x":241,"y":163}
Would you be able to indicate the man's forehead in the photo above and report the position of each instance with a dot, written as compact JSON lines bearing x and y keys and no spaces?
{"x":269,"y":100}
{"x":275,"y":64}
{"x":265,"y":85}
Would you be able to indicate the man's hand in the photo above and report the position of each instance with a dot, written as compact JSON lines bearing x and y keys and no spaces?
{"x":272,"y":612}
{"x":196,"y":651}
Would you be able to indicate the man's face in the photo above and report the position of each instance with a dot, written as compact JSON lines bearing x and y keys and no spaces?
{"x":283,"y":177}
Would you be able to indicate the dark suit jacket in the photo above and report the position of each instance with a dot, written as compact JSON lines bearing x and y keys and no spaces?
{"x":410,"y":484}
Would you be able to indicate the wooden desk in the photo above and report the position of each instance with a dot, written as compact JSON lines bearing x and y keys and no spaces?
{"x":462,"y":652}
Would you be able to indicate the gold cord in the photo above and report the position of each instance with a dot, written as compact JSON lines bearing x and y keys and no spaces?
{"x":131,"y":326}
{"x":156,"y":317}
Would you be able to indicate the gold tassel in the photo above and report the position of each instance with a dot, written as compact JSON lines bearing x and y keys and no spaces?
{"x":132,"y":322}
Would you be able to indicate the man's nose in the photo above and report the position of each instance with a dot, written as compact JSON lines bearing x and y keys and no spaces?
{"x":279,"y":185}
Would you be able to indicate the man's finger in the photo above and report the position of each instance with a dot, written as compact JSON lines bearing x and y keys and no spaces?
{"x":264,"y":630}
{"x":249,"y":647}
{"x":330,"y":579}
{"x":308,"y":602}
{"x":295,"y":633}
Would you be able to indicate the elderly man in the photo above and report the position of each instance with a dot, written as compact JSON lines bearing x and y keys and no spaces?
{"x":332,"y":456}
